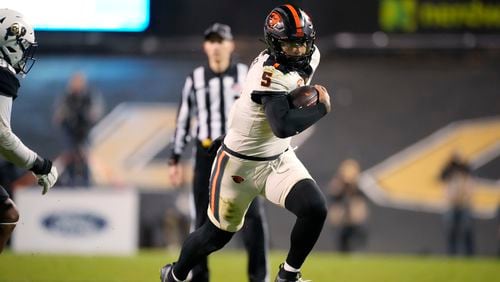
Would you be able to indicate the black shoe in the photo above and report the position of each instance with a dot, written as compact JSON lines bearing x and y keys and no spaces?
{"x":166,"y":273}
{"x":287,"y":276}
{"x":167,"y":276}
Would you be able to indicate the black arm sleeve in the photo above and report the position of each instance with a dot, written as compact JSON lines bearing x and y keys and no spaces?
{"x":286,"y":121}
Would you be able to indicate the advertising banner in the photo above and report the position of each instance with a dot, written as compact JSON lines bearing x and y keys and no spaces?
{"x":425,"y":16}
{"x":79,"y":221}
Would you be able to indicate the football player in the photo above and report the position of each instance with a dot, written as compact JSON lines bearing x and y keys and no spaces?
{"x":256,"y":158}
{"x":17,"y":44}
{"x":208,"y":94}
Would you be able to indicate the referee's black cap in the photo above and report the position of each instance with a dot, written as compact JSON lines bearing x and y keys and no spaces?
{"x":218,"y":31}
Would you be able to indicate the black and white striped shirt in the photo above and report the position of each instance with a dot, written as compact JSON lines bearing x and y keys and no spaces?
{"x":207,"y":97}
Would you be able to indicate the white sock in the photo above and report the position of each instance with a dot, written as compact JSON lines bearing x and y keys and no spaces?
{"x":288,"y":268}
{"x":173,"y":275}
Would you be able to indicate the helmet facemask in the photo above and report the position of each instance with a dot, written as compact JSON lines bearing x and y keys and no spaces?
{"x":28,"y":59}
{"x":284,"y":53}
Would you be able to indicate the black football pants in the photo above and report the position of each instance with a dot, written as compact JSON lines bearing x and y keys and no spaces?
{"x":253,"y":231}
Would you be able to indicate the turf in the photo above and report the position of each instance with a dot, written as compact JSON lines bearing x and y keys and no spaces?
{"x":229,"y":266}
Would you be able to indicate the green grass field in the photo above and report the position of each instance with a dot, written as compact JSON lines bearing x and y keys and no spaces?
{"x":229,"y":266}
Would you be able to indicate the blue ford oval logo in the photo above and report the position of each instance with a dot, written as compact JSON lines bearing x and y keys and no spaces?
{"x":74,"y":224}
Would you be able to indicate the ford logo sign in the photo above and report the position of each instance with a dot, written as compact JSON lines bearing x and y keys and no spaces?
{"x":74,"y":224}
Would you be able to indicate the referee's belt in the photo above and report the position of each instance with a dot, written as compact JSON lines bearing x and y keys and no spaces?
{"x":251,"y":158}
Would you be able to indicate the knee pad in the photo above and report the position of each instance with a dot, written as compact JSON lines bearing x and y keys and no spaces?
{"x":306,"y":199}
{"x":8,"y":213}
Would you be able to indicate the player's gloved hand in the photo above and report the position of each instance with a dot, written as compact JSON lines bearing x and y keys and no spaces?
{"x":324,"y":97}
{"x":46,"y":174}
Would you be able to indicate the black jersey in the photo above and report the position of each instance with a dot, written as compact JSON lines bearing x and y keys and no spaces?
{"x":9,"y":84}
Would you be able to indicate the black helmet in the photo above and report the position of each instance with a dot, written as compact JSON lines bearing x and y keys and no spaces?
{"x":288,"y":23}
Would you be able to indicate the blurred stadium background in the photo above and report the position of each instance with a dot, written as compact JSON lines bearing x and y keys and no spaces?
{"x":412,"y":81}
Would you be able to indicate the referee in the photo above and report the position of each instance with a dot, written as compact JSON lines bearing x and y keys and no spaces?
{"x":207,"y":96}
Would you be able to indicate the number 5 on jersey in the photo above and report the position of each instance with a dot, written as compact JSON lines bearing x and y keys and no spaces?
{"x":266,"y":79}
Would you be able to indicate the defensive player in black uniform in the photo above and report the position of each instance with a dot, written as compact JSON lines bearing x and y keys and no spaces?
{"x":17,"y":43}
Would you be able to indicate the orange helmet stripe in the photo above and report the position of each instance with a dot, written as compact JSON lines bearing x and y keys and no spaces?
{"x":296,"y":18}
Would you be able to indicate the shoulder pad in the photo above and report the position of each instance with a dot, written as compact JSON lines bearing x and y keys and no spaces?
{"x":272,"y":62}
{"x":275,"y":80}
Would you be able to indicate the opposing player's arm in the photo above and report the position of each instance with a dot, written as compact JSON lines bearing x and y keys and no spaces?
{"x":12,"y":149}
{"x":286,"y":121}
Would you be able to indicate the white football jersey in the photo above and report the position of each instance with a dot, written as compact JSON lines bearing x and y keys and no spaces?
{"x":249,"y":130}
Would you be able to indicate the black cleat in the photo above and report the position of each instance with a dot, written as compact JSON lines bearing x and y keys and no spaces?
{"x":167,"y":276}
{"x":287,"y":276}
{"x":166,"y":273}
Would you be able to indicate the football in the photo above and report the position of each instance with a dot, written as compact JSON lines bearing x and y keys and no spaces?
{"x":304,"y":96}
